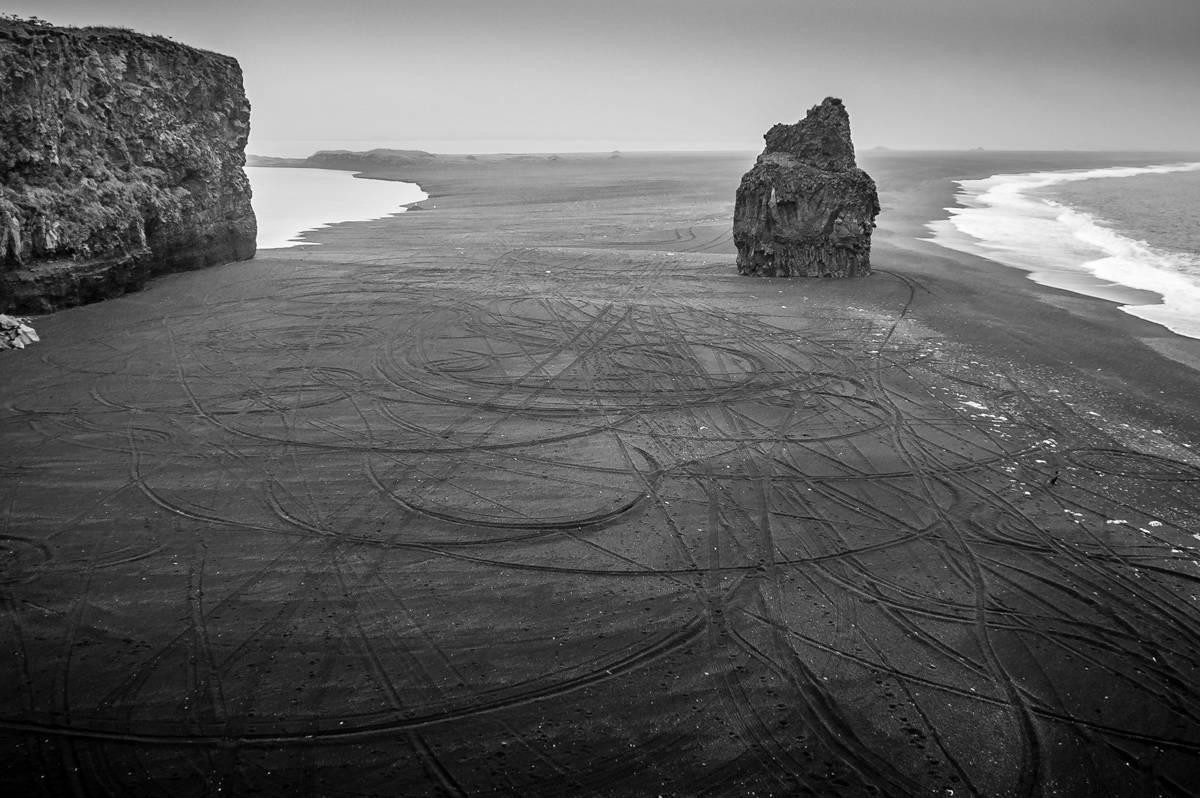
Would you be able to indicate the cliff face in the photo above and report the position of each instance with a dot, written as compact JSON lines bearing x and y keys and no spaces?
{"x":806,"y":209}
{"x":121,"y":158}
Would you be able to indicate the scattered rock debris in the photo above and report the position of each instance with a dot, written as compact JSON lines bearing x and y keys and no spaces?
{"x":16,"y":333}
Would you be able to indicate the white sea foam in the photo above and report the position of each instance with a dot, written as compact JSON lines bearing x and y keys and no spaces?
{"x":291,"y":201}
{"x":1074,"y":250}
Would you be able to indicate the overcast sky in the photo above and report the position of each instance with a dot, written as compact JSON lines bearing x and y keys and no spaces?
{"x":919,"y":74}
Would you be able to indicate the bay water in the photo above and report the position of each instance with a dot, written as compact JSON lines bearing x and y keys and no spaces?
{"x":290,"y":201}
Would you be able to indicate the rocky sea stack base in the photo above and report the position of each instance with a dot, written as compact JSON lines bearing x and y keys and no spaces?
{"x":121,"y":158}
{"x":806,"y":209}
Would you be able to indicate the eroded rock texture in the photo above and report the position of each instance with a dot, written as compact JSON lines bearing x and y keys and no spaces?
{"x":121,"y":158}
{"x":806,"y":209}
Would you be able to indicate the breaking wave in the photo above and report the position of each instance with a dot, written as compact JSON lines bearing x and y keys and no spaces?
{"x":1067,"y":248}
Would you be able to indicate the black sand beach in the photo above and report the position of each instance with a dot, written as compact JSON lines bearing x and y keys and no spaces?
{"x":528,"y":493}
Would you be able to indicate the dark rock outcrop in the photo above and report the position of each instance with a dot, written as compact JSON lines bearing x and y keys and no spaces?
{"x":121,"y":158}
{"x":806,"y":209}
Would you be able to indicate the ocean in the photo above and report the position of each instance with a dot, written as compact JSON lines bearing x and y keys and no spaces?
{"x":1127,"y":234}
{"x":288,"y":202}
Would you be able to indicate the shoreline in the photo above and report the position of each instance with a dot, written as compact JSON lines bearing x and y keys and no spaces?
{"x":1007,"y":221}
{"x":921,"y":198}
{"x":290,"y":203}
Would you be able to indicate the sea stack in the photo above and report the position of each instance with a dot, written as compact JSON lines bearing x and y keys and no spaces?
{"x":121,"y":158}
{"x":806,"y":209}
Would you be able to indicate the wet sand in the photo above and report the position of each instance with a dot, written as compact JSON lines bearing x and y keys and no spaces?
{"x":529,"y":493}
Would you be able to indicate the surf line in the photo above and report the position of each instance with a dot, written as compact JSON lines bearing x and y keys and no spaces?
{"x":1065,"y":248}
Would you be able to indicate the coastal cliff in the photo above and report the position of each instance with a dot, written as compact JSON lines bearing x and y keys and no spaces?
{"x":121,"y":158}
